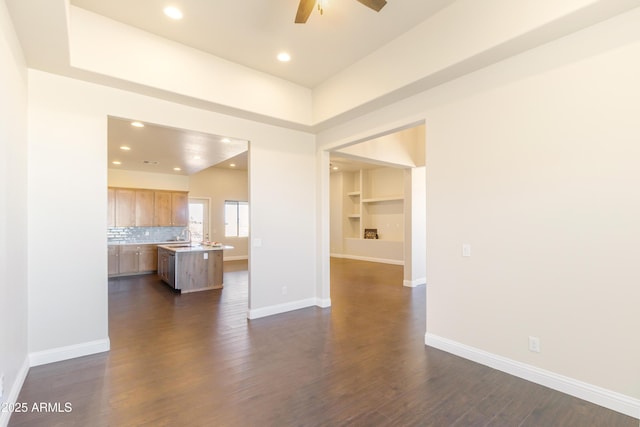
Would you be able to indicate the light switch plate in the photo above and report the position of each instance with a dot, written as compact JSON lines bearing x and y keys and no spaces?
{"x":466,"y":249}
{"x":257,"y":243}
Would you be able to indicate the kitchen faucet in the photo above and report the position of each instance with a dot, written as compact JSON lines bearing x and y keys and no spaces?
{"x":188,"y":234}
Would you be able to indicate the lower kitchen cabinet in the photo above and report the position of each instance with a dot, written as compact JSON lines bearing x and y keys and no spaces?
{"x":132,"y":259}
{"x":114,"y":253}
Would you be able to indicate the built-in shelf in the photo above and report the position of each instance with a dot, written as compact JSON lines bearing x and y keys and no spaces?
{"x":354,"y":216}
{"x":383,"y":199}
{"x":354,"y":194}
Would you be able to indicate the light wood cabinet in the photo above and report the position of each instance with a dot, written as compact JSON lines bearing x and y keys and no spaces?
{"x":162,"y":209}
{"x":163,"y":264}
{"x":192,"y":271}
{"x":179,"y":209}
{"x":111,"y":207}
{"x":128,"y":259}
{"x":134,"y":207}
{"x":132,"y":259}
{"x":147,"y":258}
{"x":113,"y":255}
{"x":171,"y":209}
{"x":144,"y":208}
{"x":125,"y":200}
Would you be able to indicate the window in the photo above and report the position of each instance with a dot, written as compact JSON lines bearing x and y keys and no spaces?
{"x":236,"y":219}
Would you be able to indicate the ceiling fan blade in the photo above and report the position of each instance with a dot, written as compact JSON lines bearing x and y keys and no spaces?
{"x":374,"y":4}
{"x":304,"y":10}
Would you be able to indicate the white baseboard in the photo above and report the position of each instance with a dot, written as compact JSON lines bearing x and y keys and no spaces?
{"x":288,"y":306}
{"x":323,"y":302}
{"x":609,"y":399}
{"x":369,"y":259}
{"x":414,"y":283}
{"x":70,"y":352}
{"x":14,"y":392}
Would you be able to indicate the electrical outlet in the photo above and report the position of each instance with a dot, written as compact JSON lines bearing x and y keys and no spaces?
{"x":534,"y":344}
{"x":284,"y":290}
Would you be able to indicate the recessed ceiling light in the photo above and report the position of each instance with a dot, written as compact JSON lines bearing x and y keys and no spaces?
{"x":284,"y":57}
{"x":197,"y":157}
{"x":177,"y":169}
{"x":125,"y":148}
{"x":137,"y":124}
{"x":115,"y":162}
{"x":232,"y":165}
{"x":335,"y":168}
{"x":226,"y":140}
{"x":173,"y":12}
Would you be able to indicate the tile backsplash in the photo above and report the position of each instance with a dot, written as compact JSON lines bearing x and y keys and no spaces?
{"x":144,"y":234}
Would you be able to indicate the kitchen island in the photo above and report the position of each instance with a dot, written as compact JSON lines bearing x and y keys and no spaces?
{"x":189,"y":267}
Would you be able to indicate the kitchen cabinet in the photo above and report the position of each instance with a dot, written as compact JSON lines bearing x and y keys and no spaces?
{"x":111,"y":207}
{"x":128,"y":259}
{"x":125,"y":201}
{"x":132,"y":259}
{"x":191,"y":268}
{"x":164,"y":258}
{"x":179,"y":209}
{"x":135,"y":207}
{"x":171,"y":209}
{"x":144,"y":208}
{"x":147,"y":258}
{"x":162,"y":208}
{"x":113,"y":254}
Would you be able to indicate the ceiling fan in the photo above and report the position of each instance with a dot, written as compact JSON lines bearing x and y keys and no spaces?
{"x":306,"y":7}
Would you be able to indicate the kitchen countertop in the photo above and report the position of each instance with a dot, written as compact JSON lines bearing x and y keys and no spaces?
{"x":186,"y":247}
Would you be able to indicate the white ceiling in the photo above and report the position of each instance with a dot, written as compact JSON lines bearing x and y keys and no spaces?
{"x":160,"y":149}
{"x":252,"y":32}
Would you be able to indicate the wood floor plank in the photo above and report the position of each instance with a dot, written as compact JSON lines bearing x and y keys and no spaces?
{"x":195,"y":360}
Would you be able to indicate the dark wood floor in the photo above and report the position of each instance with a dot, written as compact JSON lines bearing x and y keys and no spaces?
{"x":195,"y":360}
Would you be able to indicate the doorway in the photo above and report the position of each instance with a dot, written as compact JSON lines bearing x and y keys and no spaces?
{"x":377,"y":202}
{"x":199,"y":220}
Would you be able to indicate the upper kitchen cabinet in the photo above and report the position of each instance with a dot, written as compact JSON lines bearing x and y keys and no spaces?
{"x":125,"y":209}
{"x":111,"y":207}
{"x":136,"y":207}
{"x":144,"y":208}
{"x":180,"y":209}
{"x":171,"y":208}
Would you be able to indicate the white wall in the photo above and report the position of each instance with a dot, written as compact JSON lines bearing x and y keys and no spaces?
{"x":534,"y":162}
{"x":461,"y":38}
{"x":154,"y":181}
{"x":282,"y":191}
{"x":68,"y":122}
{"x":13,"y":212}
{"x":415,"y":245}
{"x":336,"y":206}
{"x":111,"y":48}
{"x":219,"y":185}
